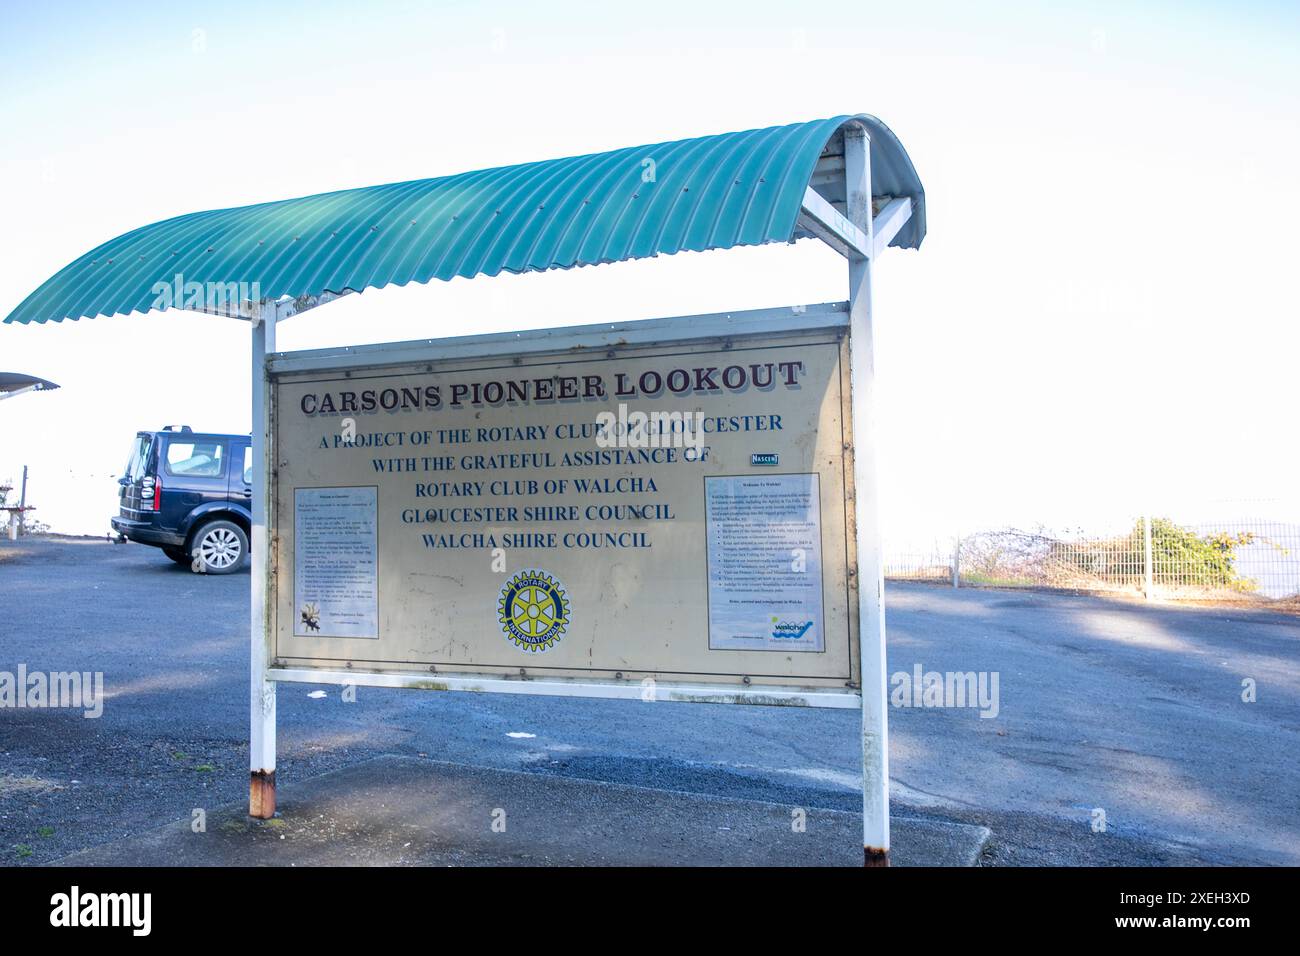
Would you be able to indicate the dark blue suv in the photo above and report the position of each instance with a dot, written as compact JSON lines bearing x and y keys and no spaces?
{"x":189,"y":493}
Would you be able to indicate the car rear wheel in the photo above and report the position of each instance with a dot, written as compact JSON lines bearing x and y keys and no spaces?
{"x":220,"y":547}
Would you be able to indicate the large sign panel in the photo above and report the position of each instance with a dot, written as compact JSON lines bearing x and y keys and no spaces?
{"x":676,"y":511}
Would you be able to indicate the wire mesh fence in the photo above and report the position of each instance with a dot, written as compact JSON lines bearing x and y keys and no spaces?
{"x":1238,"y":558}
{"x":933,"y":563}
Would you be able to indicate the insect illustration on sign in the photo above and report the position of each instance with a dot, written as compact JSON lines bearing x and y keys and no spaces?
{"x":311,"y":616}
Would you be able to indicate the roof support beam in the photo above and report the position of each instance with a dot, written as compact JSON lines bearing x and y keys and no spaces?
{"x":17,"y":391}
{"x":829,"y":171}
{"x":286,"y":308}
{"x":823,"y":220}
{"x":886,"y":223}
{"x":283,"y":308}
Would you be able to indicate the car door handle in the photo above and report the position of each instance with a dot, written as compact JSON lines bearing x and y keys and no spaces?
{"x":248,"y":492}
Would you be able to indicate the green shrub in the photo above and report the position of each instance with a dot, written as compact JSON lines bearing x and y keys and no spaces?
{"x":1179,"y":556}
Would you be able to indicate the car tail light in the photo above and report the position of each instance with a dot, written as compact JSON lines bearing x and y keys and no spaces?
{"x":151,"y":494}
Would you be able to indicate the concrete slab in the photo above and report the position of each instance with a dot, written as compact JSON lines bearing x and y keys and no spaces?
{"x":403,"y":811}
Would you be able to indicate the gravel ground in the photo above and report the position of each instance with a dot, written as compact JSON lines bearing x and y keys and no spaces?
{"x":1130,"y":708}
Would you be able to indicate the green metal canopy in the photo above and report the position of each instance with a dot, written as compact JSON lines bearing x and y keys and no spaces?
{"x":711,"y":192}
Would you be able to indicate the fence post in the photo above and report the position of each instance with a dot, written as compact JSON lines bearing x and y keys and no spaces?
{"x":1146,"y":548}
{"x":956,"y":562}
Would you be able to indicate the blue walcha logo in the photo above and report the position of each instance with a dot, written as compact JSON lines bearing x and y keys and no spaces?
{"x":790,"y":630}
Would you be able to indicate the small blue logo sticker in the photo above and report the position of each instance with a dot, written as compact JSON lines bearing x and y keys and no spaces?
{"x":764,"y":458}
{"x":790,"y":630}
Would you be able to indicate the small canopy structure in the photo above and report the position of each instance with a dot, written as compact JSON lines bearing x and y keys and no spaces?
{"x":16,"y":383}
{"x":846,"y":180}
{"x":710,"y":192}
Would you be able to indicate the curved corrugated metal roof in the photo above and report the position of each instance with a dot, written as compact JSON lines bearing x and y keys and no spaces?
{"x":13,"y":381}
{"x":712,"y":192}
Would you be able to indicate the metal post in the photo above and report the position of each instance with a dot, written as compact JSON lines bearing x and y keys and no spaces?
{"x":22,"y":505}
{"x":871,"y":582}
{"x":956,"y":562}
{"x":261,"y":741}
{"x":1146,"y":548}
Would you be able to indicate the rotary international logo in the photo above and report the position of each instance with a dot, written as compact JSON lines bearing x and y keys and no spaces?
{"x":534,"y":611}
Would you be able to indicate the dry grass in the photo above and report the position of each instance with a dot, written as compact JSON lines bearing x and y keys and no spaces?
{"x":15,"y":786}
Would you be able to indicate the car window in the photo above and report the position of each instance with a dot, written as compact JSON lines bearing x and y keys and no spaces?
{"x":135,"y":465}
{"x":195,"y":459}
{"x":248,"y":464}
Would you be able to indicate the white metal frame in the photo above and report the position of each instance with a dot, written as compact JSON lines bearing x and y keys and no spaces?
{"x":861,"y":232}
{"x":262,"y":697}
{"x":14,"y":393}
{"x":830,"y":318}
{"x":685,"y":329}
{"x":871,"y":580}
{"x":552,"y":687}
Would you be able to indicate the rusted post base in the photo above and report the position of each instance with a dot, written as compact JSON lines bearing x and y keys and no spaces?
{"x":261,"y":794}
{"x":870,"y":856}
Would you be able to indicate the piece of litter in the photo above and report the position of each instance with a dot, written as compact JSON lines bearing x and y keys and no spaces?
{"x":519,"y":733}
{"x":316,"y":694}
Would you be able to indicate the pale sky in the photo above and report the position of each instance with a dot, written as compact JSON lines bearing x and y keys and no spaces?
{"x":1102,"y":317}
